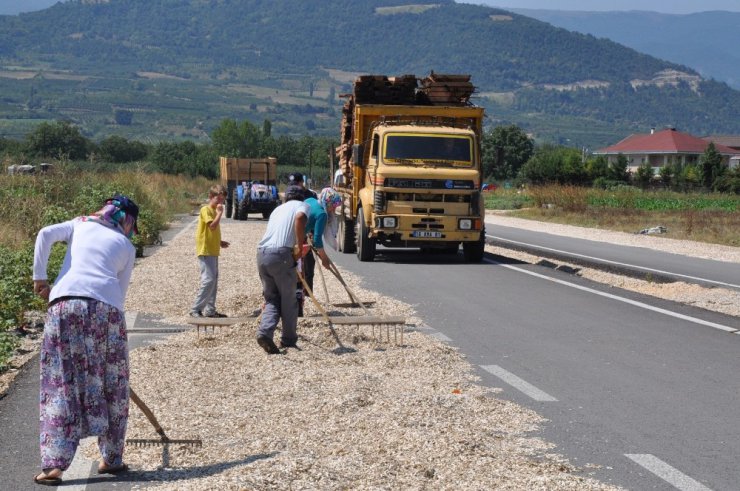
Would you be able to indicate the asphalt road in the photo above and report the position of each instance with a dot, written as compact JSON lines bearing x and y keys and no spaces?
{"x":645,"y":389}
{"x":635,"y":261}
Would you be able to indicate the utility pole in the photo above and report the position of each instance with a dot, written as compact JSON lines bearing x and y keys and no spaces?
{"x":310,"y":167}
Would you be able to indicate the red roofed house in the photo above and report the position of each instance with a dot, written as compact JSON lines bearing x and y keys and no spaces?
{"x":664,"y":147}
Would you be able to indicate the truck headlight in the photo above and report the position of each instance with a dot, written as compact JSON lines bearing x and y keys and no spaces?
{"x":465,"y":224}
{"x":390,"y":222}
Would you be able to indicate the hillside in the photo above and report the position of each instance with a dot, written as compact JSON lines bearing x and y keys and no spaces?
{"x":180,"y":66}
{"x":705,"y":41}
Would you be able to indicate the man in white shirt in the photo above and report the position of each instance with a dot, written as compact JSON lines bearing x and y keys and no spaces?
{"x":277,"y":269}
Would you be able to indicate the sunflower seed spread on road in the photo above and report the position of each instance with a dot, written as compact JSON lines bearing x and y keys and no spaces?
{"x":371,"y":415}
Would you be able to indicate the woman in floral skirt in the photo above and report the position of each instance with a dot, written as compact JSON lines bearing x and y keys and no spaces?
{"x":84,"y":354}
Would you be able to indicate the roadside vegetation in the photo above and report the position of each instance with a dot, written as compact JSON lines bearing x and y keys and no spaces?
{"x":702,"y":217}
{"x":29,"y":202}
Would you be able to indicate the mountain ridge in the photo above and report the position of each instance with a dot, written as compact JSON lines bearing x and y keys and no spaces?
{"x":527,"y":72}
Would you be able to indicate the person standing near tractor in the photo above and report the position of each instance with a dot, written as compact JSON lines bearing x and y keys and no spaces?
{"x":208,"y":246}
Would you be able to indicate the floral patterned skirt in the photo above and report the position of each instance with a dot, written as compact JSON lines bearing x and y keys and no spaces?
{"x":84,"y":381}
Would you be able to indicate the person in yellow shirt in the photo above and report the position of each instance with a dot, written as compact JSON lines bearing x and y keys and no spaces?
{"x":208,"y":246}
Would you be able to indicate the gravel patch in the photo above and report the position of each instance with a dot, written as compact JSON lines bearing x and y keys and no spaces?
{"x":370,"y":415}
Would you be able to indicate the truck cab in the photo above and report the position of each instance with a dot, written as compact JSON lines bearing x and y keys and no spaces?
{"x":420,"y":189}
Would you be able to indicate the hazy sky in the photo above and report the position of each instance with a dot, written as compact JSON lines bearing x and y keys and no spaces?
{"x":665,"y":6}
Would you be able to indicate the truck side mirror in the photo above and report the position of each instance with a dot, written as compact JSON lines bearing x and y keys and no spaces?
{"x":357,"y":153}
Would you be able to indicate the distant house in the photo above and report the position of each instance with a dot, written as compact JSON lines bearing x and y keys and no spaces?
{"x":665,"y":147}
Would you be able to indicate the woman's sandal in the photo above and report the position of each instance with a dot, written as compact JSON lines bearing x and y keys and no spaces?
{"x":45,"y":479}
{"x":116,"y":469}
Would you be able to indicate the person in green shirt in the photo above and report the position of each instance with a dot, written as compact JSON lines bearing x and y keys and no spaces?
{"x":208,"y":246}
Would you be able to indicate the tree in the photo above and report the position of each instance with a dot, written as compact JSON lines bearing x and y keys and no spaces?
{"x":618,"y":169}
{"x":234,"y":139}
{"x":123,"y":117}
{"x":118,"y":149}
{"x":597,"y":167}
{"x":644,"y":174}
{"x":266,"y":128}
{"x":666,"y":175}
{"x":710,"y":165}
{"x":505,"y":149}
{"x":58,"y":140}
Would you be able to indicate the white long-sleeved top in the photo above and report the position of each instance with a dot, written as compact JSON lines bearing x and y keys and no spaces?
{"x":98,"y":263}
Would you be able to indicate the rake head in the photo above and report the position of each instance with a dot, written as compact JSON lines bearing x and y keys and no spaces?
{"x":145,"y":442}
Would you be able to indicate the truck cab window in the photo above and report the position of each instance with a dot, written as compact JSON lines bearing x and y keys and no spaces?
{"x":374,"y":148}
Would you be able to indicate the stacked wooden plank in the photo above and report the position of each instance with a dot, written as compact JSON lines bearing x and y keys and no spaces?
{"x":441,"y":89}
{"x":379,"y":89}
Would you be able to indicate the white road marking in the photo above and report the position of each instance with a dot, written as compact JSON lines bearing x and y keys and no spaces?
{"x":616,"y":262}
{"x":641,"y":305}
{"x":80,"y":469}
{"x":518,"y":383}
{"x":672,"y":476}
{"x":131,"y":319}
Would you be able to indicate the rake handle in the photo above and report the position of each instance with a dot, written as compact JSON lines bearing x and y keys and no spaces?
{"x":147,"y":412}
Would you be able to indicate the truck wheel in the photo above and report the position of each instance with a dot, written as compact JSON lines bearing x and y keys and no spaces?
{"x":365,"y":244}
{"x":346,"y":235}
{"x":266,"y":214}
{"x":235,"y":206}
{"x":473,"y":251}
{"x":227,"y":208}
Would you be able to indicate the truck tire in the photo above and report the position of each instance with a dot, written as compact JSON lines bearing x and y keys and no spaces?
{"x":473,"y":251}
{"x":227,"y":207}
{"x":365,"y":244}
{"x":234,"y":202}
{"x":266,"y":214}
{"x":346,"y":235}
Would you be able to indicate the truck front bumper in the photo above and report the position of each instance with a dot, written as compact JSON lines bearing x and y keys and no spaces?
{"x":425,"y":230}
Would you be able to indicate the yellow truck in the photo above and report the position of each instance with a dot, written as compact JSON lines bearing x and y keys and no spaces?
{"x":251,"y":185}
{"x":410,"y":166}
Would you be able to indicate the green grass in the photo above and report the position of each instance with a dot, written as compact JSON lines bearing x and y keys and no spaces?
{"x":702,"y":217}
{"x":28,"y":203}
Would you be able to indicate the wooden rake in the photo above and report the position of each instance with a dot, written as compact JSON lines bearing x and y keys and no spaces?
{"x":374,"y":321}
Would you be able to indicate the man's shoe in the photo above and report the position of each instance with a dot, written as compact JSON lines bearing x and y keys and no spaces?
{"x":217,"y":315}
{"x":268,"y":345}
{"x":284,"y":345}
{"x":196,"y":314}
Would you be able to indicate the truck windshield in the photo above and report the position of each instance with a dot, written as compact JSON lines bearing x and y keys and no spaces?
{"x":432,"y":148}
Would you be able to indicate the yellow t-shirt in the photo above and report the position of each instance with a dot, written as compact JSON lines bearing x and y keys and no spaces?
{"x":207,"y":241}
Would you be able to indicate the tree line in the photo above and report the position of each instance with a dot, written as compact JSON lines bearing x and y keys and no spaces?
{"x":508,"y":154}
{"x":62,"y":141}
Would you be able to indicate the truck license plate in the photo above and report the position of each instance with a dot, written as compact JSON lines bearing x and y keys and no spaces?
{"x":426,"y":234}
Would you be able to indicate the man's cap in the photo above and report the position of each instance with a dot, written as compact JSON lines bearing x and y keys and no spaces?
{"x":127,"y":205}
{"x":295,"y":178}
{"x":294,"y":192}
